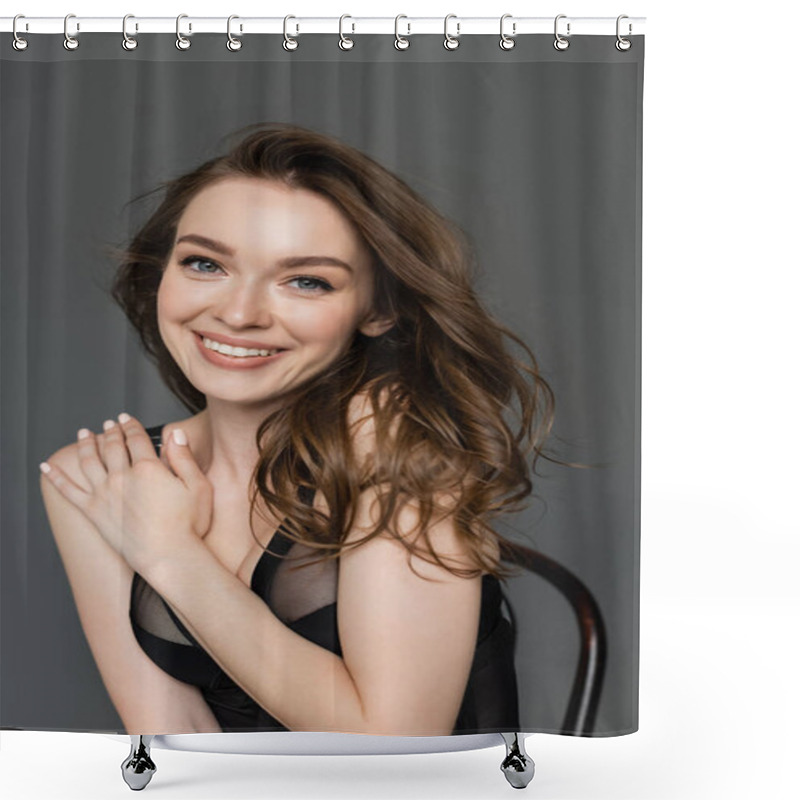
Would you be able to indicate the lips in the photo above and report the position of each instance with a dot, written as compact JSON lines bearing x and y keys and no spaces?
{"x":250,"y":344}
{"x":235,"y":362}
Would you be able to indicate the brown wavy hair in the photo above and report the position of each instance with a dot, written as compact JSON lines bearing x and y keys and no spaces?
{"x":441,"y":382}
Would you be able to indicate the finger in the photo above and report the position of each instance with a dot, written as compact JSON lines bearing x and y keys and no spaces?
{"x":100,"y":443}
{"x":115,"y":448}
{"x":65,"y":485}
{"x":88,"y":458}
{"x":140,"y":445}
{"x":182,"y":459}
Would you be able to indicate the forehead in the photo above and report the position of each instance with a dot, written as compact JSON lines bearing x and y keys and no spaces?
{"x":247,"y":207}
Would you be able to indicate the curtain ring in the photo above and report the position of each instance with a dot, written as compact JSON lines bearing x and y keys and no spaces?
{"x":19,"y":43}
{"x":288,"y":42}
{"x":182,"y":43}
{"x":128,"y":42}
{"x":344,"y":42}
{"x":561,"y":43}
{"x":506,"y":42}
{"x":70,"y":42}
{"x":451,"y":42}
{"x":233,"y":44}
{"x":623,"y":44}
{"x":400,"y":42}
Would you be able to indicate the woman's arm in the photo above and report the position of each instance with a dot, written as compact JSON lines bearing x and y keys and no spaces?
{"x":148,"y":700}
{"x":408,"y":642}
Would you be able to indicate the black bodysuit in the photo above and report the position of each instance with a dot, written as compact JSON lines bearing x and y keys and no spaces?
{"x":305,"y":601}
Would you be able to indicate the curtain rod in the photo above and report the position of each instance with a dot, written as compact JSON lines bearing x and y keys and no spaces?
{"x":298,"y":25}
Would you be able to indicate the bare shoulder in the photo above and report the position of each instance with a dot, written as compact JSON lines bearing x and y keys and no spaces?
{"x":361,"y":413}
{"x":442,"y":537}
{"x":361,"y":409}
{"x":407,"y":543}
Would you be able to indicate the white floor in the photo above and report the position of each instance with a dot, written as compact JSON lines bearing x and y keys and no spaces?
{"x":718,"y":719}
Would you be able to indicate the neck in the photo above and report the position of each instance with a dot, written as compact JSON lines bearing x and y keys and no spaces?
{"x":227,"y":450}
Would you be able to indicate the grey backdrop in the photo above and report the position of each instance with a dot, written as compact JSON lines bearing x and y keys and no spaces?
{"x":535,"y":153}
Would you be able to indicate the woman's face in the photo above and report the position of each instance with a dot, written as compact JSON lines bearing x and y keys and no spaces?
{"x":261,"y":266}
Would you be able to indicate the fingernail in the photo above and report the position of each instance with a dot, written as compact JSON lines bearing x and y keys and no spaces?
{"x":109,"y":423}
{"x":44,"y":466}
{"x":179,"y":436}
{"x":123,"y":417}
{"x":83,"y":433}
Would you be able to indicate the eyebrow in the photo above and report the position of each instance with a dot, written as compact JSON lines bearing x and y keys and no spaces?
{"x":284,"y":263}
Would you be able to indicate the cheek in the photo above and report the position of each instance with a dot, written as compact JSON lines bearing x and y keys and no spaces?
{"x":323,"y":322}
{"x":175,"y":300}
{"x":170,"y":309}
{"x":166,"y":297}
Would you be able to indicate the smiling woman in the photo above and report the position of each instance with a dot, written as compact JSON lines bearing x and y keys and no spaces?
{"x":282,"y":264}
{"x":312,"y":548}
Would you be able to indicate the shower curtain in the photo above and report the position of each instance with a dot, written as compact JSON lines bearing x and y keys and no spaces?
{"x":533,"y":157}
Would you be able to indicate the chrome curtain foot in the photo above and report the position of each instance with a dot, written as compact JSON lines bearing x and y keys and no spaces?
{"x":138,"y":767}
{"x":517,"y":766}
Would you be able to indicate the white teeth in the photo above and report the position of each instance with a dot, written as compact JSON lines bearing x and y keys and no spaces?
{"x":241,"y":352}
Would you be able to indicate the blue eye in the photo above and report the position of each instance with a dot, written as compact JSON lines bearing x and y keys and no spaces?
{"x":312,"y":284}
{"x":197,"y":260}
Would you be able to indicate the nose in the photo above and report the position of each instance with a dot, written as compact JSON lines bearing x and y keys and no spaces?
{"x":244,"y":305}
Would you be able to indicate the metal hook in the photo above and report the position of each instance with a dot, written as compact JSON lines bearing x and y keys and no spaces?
{"x":561,"y":43}
{"x":506,"y":42}
{"x":400,"y":42}
{"x":128,"y":42}
{"x":623,"y":44}
{"x":19,"y":43}
{"x":70,"y":42}
{"x":451,"y":42}
{"x":233,"y":44}
{"x":344,"y":42}
{"x":288,"y":42}
{"x":182,"y":43}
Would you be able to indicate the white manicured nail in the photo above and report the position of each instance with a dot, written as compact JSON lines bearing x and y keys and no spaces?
{"x":179,"y":436}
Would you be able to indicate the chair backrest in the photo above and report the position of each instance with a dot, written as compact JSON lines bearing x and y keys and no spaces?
{"x":588,"y":682}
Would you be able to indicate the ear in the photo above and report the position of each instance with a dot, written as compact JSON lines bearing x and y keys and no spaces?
{"x":375,"y":326}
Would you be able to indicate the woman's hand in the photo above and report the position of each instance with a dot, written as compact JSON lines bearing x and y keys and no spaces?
{"x":143,"y":510}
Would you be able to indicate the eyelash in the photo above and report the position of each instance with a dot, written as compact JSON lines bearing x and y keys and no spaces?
{"x":321,"y":284}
